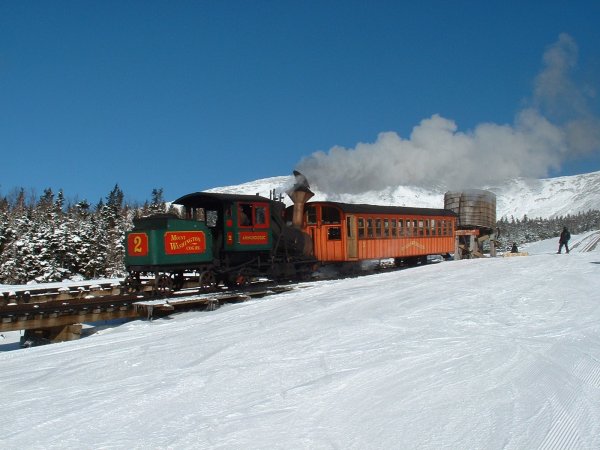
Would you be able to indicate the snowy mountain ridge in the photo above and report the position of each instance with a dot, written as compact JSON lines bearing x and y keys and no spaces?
{"x":545,"y":198}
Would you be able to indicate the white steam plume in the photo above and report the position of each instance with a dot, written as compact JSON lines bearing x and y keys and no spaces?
{"x":557,"y":125}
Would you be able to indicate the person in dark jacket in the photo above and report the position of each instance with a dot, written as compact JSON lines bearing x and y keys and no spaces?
{"x":564,"y":240}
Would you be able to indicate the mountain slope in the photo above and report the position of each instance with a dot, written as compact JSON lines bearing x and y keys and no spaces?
{"x":545,"y":198}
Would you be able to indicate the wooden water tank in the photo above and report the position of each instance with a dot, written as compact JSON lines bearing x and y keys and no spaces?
{"x":475,"y":208}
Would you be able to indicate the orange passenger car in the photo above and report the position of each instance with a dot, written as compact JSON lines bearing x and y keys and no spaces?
{"x":343,"y":232}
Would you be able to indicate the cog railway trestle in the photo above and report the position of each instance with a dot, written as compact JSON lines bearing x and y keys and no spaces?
{"x":57,"y":316}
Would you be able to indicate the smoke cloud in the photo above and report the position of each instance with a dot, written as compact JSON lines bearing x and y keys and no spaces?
{"x":556,"y":125}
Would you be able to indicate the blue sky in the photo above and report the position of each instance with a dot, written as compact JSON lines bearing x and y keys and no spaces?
{"x":190,"y":95}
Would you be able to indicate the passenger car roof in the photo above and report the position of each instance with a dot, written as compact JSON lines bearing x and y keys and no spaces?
{"x":353,"y":208}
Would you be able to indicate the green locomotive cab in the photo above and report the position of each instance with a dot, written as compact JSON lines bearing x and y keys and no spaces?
{"x":240,"y":224}
{"x":249,"y":227}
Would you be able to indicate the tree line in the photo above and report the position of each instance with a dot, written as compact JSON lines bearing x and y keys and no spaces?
{"x":530,"y":230}
{"x":49,"y":239}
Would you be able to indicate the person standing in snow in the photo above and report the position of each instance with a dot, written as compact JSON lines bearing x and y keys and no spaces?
{"x":564,"y":240}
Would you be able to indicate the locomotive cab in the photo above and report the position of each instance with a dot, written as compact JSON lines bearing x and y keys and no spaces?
{"x":239,"y":224}
{"x":247,"y":229}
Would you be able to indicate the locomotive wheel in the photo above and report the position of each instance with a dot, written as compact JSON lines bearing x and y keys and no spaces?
{"x":178,"y":280}
{"x":207,"y":281}
{"x":238,"y":279}
{"x":132,"y":284}
{"x":243,"y":278}
{"x":164,"y":284}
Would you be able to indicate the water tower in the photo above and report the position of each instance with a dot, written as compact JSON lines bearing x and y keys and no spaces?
{"x":476,"y":210}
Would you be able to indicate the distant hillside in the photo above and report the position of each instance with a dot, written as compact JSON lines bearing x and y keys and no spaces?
{"x":545,"y":198}
{"x":548,"y":197}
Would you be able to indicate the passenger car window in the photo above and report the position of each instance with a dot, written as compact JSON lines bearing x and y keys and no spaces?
{"x":330,"y":215}
{"x":370,"y":228}
{"x":334,"y":233}
{"x":311,"y":215}
{"x":361,"y":227}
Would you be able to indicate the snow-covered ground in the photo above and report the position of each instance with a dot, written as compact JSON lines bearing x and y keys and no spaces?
{"x":476,"y":354}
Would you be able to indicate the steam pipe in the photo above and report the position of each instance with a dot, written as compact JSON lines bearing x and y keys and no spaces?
{"x":300,"y":193}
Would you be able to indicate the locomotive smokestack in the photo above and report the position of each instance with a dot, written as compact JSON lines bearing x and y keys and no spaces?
{"x":300,"y":193}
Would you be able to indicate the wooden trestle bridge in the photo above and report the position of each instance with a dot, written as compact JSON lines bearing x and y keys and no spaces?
{"x":48,"y":314}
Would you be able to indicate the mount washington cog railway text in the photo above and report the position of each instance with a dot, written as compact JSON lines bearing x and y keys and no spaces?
{"x":188,"y":242}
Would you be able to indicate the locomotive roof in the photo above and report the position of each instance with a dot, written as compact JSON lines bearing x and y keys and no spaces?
{"x":212,"y":198}
{"x":357,"y":208}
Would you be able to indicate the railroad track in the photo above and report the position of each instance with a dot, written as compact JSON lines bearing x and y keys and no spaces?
{"x":52,"y":313}
{"x":589,"y":243}
{"x":55,"y":313}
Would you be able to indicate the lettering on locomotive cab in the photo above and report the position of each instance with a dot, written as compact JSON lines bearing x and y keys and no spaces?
{"x":184,"y":242}
{"x":253,"y":237}
{"x":137,"y":244}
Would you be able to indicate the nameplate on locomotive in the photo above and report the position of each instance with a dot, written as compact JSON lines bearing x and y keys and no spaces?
{"x":253,"y":238}
{"x":184,"y":242}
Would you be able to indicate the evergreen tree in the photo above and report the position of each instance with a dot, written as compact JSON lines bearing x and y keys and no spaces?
{"x":48,"y":239}
{"x":113,"y":225}
{"x":157,"y":205}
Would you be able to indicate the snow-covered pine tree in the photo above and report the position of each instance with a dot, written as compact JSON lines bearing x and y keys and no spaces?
{"x":114,"y":223}
{"x":158,"y":204}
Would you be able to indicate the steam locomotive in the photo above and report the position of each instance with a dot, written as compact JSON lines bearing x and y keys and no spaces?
{"x":231,"y":239}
